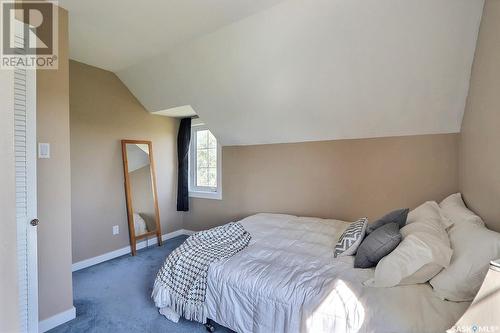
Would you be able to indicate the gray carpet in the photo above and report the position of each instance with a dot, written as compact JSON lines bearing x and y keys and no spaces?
{"x":115,"y":296}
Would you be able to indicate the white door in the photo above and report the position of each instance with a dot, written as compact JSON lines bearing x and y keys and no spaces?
{"x":26,"y":209}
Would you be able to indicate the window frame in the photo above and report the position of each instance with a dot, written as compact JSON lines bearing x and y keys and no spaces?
{"x":203,"y":192}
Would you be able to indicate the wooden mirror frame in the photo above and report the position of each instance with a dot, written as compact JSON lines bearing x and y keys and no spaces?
{"x":128,"y":195}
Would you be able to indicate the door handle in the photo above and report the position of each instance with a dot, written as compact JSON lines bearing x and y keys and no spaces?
{"x":35,"y":222}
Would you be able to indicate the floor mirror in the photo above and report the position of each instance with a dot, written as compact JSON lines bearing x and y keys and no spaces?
{"x":140,"y":192}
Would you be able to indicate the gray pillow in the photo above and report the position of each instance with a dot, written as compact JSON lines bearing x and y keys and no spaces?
{"x":377,"y":245}
{"x":397,"y":216}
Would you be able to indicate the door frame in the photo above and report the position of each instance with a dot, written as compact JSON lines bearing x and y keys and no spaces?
{"x":32,"y":232}
{"x":28,"y":275}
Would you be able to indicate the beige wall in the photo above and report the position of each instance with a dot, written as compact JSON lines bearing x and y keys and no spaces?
{"x":9,"y":319}
{"x":480,"y":137}
{"x":103,"y":112}
{"x":343,"y":179}
{"x":54,"y":184}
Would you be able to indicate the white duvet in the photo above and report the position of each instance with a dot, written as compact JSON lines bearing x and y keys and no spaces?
{"x":287,"y":281}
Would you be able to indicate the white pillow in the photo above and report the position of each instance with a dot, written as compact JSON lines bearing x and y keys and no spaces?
{"x":139,"y":225}
{"x":431,"y":212}
{"x":422,"y":275}
{"x":474,"y":246}
{"x":428,"y":218}
{"x":454,"y":208}
{"x":424,"y":251}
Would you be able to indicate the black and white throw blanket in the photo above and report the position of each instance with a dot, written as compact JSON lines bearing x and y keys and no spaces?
{"x":182,"y":281}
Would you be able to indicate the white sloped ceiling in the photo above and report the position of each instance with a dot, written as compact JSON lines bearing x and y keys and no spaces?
{"x":115,"y":34}
{"x":308,"y":70}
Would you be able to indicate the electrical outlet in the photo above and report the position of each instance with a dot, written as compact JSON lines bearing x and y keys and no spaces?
{"x":116,"y":230}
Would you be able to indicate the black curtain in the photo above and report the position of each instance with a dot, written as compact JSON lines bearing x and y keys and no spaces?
{"x":183,"y":140}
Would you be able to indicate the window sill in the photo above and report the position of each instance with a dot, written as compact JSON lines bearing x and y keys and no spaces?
{"x":206,"y":195}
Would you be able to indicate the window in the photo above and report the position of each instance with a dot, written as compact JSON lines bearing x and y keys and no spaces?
{"x":204,"y":164}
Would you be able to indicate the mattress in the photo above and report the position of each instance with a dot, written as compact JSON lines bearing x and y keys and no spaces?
{"x":287,"y":281}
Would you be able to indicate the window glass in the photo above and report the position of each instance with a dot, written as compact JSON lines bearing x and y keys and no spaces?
{"x":206,"y":159}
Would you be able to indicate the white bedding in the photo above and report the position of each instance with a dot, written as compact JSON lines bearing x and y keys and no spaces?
{"x":287,"y":281}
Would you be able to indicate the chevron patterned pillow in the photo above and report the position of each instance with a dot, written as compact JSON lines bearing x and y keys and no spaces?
{"x":351,"y":238}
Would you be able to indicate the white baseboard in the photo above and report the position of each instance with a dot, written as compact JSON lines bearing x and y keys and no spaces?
{"x":56,"y":320}
{"x":125,"y":250}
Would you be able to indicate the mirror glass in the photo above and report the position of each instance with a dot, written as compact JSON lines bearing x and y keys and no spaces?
{"x":141,"y":188}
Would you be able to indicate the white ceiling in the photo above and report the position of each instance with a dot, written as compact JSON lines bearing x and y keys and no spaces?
{"x":300,"y":70}
{"x":183,"y":111}
{"x":322,"y":70}
{"x":114,"y":34}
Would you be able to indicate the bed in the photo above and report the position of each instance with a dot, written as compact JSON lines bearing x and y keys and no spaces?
{"x":287,"y":280}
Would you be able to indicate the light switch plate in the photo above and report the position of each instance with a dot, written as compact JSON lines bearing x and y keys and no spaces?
{"x":116,"y":230}
{"x":43,"y":150}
